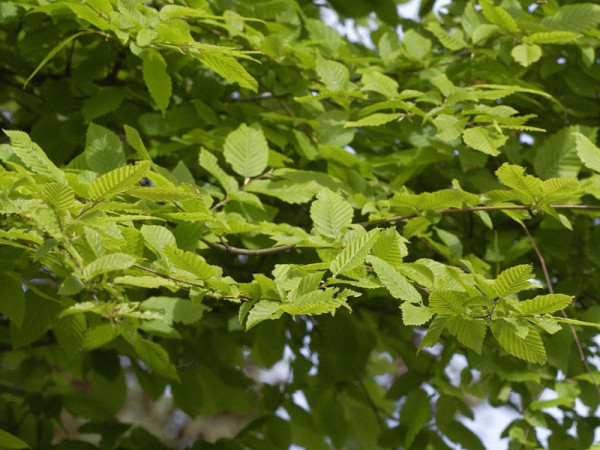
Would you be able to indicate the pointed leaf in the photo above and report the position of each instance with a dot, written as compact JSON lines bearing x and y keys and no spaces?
{"x":331,"y":214}
{"x":513,"y":280}
{"x":544,"y":304}
{"x":118,"y":180}
{"x":415,"y":315}
{"x":247,"y":151}
{"x":157,"y":79}
{"x":394,"y":281}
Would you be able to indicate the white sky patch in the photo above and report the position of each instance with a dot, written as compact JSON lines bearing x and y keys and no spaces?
{"x":525,"y":138}
{"x":489,"y":423}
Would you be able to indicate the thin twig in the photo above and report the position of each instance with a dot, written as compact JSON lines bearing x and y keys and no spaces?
{"x":244,"y":251}
{"x":564,"y":314}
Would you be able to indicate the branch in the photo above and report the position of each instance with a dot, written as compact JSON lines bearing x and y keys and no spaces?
{"x":244,"y":251}
{"x":564,"y":314}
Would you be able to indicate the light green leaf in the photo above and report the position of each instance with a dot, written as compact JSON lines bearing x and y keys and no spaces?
{"x":575,"y":18}
{"x":208,"y":161}
{"x":118,"y":180}
{"x":190,"y":262}
{"x":544,"y":304}
{"x":33,"y":156}
{"x":160,"y":194}
{"x":8,"y":440}
{"x":530,"y":349}
{"x":332,"y":73}
{"x":247,"y":151}
{"x":354,"y":254}
{"x":314,"y":303}
{"x":158,"y":237}
{"x":434,"y":332}
{"x":108,"y":263}
{"x":498,"y":16}
{"x":469,"y":332}
{"x":157,"y":80}
{"x":415,"y":45}
{"x":447,"y":302}
{"x":263,"y":310}
{"x":484,"y":140}
{"x":390,"y":247}
{"x":59,"y":196}
{"x":526,"y":54}
{"x":230,"y":69}
{"x":155,"y":357}
{"x":394,"y":281}
{"x":415,"y":315}
{"x":552,"y":37}
{"x":331,"y":214}
{"x":374,"y":120}
{"x":446,"y":39}
{"x":588,"y":152}
{"x":99,"y":336}
{"x":513,"y":280}
{"x":380,"y":83}
{"x":176,"y":309}
{"x":134,"y":139}
{"x":449,"y":127}
{"x":514,"y":177}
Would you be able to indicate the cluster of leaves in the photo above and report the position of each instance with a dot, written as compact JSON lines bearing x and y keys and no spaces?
{"x":203,"y":188}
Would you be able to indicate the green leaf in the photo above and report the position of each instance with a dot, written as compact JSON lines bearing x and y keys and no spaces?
{"x":8,"y":440}
{"x":552,"y":37}
{"x":99,"y":336}
{"x":498,"y":16}
{"x":57,"y":48}
{"x":449,"y":127}
{"x":447,"y":302}
{"x":588,"y":152}
{"x":354,"y":254}
{"x":575,"y":18}
{"x":155,"y":357}
{"x":514,"y":177}
{"x":247,"y":151}
{"x":390,"y":247}
{"x":415,"y":414}
{"x":71,"y":285}
{"x":118,"y":180}
{"x":415,"y":315}
{"x":380,"y":83}
{"x":331,"y":214}
{"x":208,"y":161}
{"x":374,"y":120}
{"x":134,"y":139}
{"x":513,"y":280}
{"x":530,"y":348}
{"x":190,"y":262}
{"x":434,"y":332}
{"x":332,"y":73}
{"x":230,"y":69}
{"x":59,"y":196}
{"x":526,"y":54}
{"x":108,"y":263}
{"x":469,"y":332}
{"x":557,"y":156}
{"x":544,"y":304}
{"x":176,"y":309}
{"x":446,"y":39}
{"x":157,"y":79}
{"x":415,"y":45}
{"x":484,"y":140}
{"x":394,"y":281}
{"x":12,"y":299}
{"x":263,"y":310}
{"x":103,"y":149}
{"x":33,"y":156}
{"x":160,"y":194}
{"x":157,"y":237}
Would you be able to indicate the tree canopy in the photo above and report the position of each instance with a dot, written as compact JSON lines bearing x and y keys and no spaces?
{"x":195,"y":191}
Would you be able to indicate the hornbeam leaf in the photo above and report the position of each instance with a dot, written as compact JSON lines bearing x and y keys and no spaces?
{"x":445,"y":38}
{"x":263,"y":310}
{"x":331,"y":214}
{"x":157,"y":80}
{"x":33,"y":156}
{"x":526,"y":54}
{"x":484,"y":140}
{"x":108,"y":263}
{"x":415,"y":315}
{"x":469,"y":332}
{"x":415,"y":413}
{"x":118,"y":180}
{"x":59,"y":196}
{"x":374,"y":120}
{"x":190,"y":262}
{"x":332,"y":73}
{"x":8,"y":440}
{"x":229,"y":68}
{"x":544,"y":304}
{"x":394,"y":281}
{"x":513,"y":280}
{"x":355,"y":253}
{"x":155,"y":357}
{"x":208,"y":161}
{"x":447,"y":302}
{"x":552,"y":37}
{"x":247,"y":151}
{"x":588,"y":152}
{"x":530,"y":349}
{"x":498,"y":16}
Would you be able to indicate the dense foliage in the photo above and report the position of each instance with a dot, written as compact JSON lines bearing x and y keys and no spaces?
{"x":192,"y":191}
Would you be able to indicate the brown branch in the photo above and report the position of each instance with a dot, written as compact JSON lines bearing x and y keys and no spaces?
{"x":244,"y":251}
{"x":564,"y":314}
{"x":473,"y":209}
